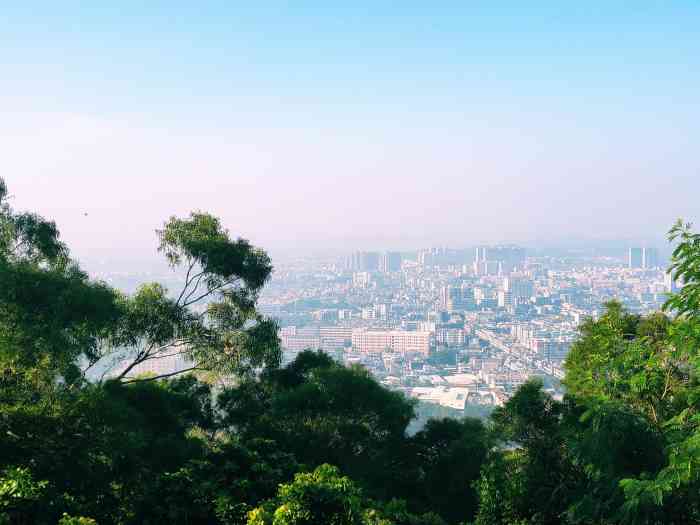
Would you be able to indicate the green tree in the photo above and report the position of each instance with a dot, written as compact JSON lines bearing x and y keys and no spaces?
{"x":534,"y":487}
{"x":212,"y":321}
{"x":325,"y":497}
{"x":322,"y":412}
{"x":115,"y":451}
{"x":674,"y":491}
{"x":321,"y":497}
{"x":437,"y":467}
{"x":19,"y":493}
{"x":28,"y":237}
{"x":501,"y":492}
{"x":630,"y":359}
{"x":76,"y":520}
{"x":396,"y":512}
{"x":51,"y":314}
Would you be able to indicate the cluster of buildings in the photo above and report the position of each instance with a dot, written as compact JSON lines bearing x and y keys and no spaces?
{"x":458,"y":328}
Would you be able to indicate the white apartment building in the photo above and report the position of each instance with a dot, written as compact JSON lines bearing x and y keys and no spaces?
{"x":400,"y":341}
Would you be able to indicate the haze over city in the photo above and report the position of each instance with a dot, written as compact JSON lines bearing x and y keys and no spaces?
{"x":322,"y":128}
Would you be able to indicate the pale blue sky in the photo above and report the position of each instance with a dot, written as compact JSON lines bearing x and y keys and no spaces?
{"x":374,"y":125}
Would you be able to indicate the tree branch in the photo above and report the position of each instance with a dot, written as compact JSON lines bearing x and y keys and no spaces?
{"x":187,"y":281}
{"x":140,"y":358}
{"x":196,"y":286}
{"x":209,"y":292}
{"x":156,"y":355}
{"x":88,"y":367}
{"x":151,"y":353}
{"x":161,"y":376}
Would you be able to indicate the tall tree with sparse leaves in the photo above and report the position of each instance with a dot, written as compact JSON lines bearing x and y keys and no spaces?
{"x":212,"y":321}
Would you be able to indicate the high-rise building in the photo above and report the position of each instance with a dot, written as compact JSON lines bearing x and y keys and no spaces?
{"x":361,"y":279}
{"x":363,"y":262}
{"x":369,"y":262}
{"x":352,"y":262}
{"x":453,"y":298}
{"x":518,"y":287}
{"x":505,"y":299}
{"x":443,"y":257}
{"x":634,"y":258}
{"x":390,"y":262}
{"x":650,"y":258}
{"x":447,"y":296}
{"x":425,"y":258}
{"x":506,"y":258}
{"x":487,"y":268}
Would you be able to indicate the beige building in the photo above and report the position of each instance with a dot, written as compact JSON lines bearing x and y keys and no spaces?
{"x":334,"y":337}
{"x":297,"y":343}
{"x":400,"y":341}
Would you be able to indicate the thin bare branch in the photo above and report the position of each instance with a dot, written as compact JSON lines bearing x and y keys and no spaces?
{"x":213,"y":290}
{"x":140,"y":358}
{"x":161,"y":356}
{"x":187,"y":281}
{"x":161,"y":376}
{"x":88,"y":367}
{"x":199,"y":277}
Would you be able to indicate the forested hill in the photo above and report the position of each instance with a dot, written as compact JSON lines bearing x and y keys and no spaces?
{"x":237,"y":439}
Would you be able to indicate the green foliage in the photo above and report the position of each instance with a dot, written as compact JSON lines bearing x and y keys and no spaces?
{"x":685,"y":268}
{"x":27,"y":237}
{"x":623,"y":446}
{"x":438,"y":466}
{"x":630,"y":359}
{"x":674,"y":492}
{"x":396,"y":512}
{"x":51,"y":314}
{"x":212,"y":322}
{"x":322,"y":412}
{"x":321,"y":497}
{"x":200,"y":241}
{"x":52,"y":317}
{"x":325,"y":497}
{"x":502,"y":496}
{"x":101,"y":447}
{"x":18,"y":492}
{"x":76,"y":520}
{"x":534,"y":478}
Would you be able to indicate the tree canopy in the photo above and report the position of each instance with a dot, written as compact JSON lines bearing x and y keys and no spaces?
{"x":212,"y":321}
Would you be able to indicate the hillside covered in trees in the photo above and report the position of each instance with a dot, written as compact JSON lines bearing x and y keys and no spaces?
{"x":237,"y":439}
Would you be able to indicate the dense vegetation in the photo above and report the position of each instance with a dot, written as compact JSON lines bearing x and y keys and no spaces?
{"x":238,"y":439}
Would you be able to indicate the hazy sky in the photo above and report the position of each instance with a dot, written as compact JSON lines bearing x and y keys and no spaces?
{"x":377,"y":125}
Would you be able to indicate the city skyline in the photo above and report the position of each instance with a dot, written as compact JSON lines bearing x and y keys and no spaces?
{"x":459,"y":330}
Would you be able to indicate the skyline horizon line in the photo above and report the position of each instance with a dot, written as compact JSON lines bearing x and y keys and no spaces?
{"x":614,"y":248}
